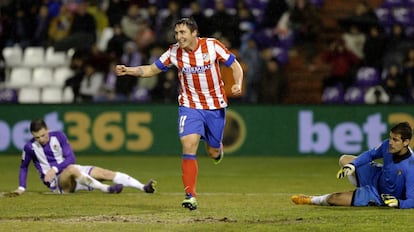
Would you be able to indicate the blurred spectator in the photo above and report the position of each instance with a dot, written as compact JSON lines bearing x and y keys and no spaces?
{"x":397,"y":44}
{"x":397,"y":39}
{"x":396,"y":85}
{"x":173,"y":14}
{"x":95,"y":8}
{"x":273,"y":12}
{"x":115,"y":46}
{"x":153,"y":21}
{"x":272,"y":83}
{"x":225,"y":24}
{"x":250,"y":55}
{"x":246,"y":19}
{"x":41,"y":27}
{"x":374,"y":48}
{"x":354,"y":40}
{"x":133,"y":22}
{"x":116,"y":10}
{"x":202,"y":21}
{"x":306,"y":24}
{"x":145,"y":37}
{"x":83,"y":29}
{"x":131,"y":56}
{"x":342,"y":62}
{"x":77,"y":65}
{"x":408,"y":69}
{"x":166,"y":89}
{"x":363,"y":17}
{"x":59,"y":27}
{"x":91,"y":83}
{"x":20,"y":28}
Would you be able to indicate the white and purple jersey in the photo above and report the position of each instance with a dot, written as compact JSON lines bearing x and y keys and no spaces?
{"x":56,"y":153}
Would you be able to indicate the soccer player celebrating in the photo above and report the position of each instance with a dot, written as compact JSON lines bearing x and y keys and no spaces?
{"x":388,"y":184}
{"x":54,"y":159}
{"x":202,"y":99}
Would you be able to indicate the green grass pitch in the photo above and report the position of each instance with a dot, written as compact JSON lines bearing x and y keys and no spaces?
{"x":240,"y":194}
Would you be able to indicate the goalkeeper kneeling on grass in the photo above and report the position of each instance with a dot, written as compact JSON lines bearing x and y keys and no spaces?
{"x":388,"y":184}
{"x":54,"y":159}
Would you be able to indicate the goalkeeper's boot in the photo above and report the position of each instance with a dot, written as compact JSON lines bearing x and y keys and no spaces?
{"x":150,"y":186}
{"x":189,"y":202}
{"x":219,"y":158}
{"x":301,"y":199}
{"x":116,"y":188}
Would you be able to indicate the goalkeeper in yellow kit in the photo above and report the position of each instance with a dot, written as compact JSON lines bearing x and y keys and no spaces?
{"x":388,"y":184}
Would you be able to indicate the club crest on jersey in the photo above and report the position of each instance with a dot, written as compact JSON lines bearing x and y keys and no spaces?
{"x":206,"y":57}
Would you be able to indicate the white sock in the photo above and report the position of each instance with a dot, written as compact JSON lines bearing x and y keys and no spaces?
{"x":353,"y":180}
{"x":320,"y":200}
{"x":126,"y":180}
{"x":89,"y":181}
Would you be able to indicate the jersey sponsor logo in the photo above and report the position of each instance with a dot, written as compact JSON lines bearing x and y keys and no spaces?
{"x":197,"y":69}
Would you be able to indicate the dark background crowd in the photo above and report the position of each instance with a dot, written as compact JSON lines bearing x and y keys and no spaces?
{"x":99,"y":34}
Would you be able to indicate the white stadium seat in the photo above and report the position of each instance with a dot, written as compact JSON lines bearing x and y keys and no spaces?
{"x":51,"y":95}
{"x":13,"y":56}
{"x":33,"y":56}
{"x":55,"y":58}
{"x":19,"y":77}
{"x":68,"y":95}
{"x":29,"y":95}
{"x":42,"y":76}
{"x":60,"y":75}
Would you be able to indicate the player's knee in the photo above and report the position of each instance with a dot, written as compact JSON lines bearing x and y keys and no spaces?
{"x":345,"y":159}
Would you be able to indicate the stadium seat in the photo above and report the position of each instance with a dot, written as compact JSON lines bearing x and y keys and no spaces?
{"x":13,"y":56}
{"x":393,"y":3}
{"x":19,"y":77}
{"x":354,"y":95}
{"x":404,"y":16}
{"x":33,"y":56}
{"x":42,"y":76}
{"x":68,"y":95}
{"x":367,"y":77}
{"x":60,"y":75}
{"x":55,"y":58}
{"x":29,"y":95}
{"x":333,"y":95}
{"x":385,"y":16}
{"x":51,"y":95}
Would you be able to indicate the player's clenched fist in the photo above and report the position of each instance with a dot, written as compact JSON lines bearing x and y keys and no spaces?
{"x":120,"y":70}
{"x":236,"y":89}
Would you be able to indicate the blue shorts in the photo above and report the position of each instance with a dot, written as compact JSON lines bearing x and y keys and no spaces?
{"x":209,"y":124}
{"x":366,"y":193}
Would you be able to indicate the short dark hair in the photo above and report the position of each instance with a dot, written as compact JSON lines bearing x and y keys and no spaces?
{"x":37,"y":124}
{"x":404,"y":129}
{"x":190,"y":22}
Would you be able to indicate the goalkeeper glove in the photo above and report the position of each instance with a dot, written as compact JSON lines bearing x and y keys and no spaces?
{"x":390,"y":200}
{"x":346,"y":170}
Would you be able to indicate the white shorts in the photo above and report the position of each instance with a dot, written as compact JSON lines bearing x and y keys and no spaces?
{"x":84,"y":169}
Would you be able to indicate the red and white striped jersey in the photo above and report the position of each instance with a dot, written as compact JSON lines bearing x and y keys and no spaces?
{"x":201,"y":86}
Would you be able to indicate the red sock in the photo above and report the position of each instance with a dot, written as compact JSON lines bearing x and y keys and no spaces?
{"x":189,"y":170}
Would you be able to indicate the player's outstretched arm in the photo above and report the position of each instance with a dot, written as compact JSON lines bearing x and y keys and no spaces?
{"x":138,"y":71}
